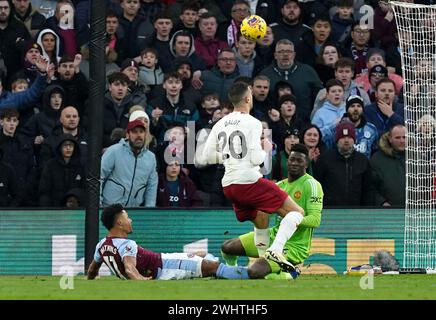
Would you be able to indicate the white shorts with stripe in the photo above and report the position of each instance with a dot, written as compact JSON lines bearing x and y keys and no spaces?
{"x":177,"y":266}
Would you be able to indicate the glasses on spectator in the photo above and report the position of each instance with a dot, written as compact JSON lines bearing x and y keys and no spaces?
{"x":227,"y":59}
{"x":240,"y":10}
{"x":285,"y":51}
{"x":4,"y":8}
{"x":378,"y":74}
{"x":210,"y":98}
{"x":361,"y":32}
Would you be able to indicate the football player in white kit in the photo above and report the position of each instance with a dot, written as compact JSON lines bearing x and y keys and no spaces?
{"x":236,"y":142}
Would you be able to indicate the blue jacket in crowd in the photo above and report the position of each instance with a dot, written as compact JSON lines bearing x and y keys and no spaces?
{"x":383,"y":124}
{"x":325,"y":117}
{"x":19,"y":100}
{"x":128,"y":179}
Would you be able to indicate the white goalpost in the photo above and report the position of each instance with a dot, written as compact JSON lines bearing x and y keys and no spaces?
{"x":416,"y":26}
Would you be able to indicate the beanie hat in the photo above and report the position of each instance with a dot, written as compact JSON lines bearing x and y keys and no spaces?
{"x":129,"y":63}
{"x":353,"y":99}
{"x":138,"y":114}
{"x":32,"y":45}
{"x":345,"y":129}
{"x":379,"y":69}
{"x":287,"y":97}
{"x":293,"y":132}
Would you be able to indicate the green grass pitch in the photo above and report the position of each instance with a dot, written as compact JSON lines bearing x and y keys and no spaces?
{"x":325,"y":287}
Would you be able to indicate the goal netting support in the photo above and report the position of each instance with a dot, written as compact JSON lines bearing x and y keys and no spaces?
{"x":416,"y":25}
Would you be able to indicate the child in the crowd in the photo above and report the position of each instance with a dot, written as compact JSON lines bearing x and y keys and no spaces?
{"x":333,"y":109}
{"x":19,"y":85}
{"x":150,"y":73}
{"x":209,"y":103}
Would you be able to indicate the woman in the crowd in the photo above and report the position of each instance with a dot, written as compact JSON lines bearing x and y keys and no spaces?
{"x":50,"y":44}
{"x":325,"y":62}
{"x":311,"y":137}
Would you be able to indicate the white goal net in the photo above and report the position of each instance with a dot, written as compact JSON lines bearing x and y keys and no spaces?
{"x":416,"y":26}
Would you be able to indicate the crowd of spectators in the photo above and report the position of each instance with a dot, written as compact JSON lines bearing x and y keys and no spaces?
{"x":321,"y":76}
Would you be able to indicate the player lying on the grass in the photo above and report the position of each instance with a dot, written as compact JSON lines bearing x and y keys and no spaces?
{"x":307,"y":193}
{"x":127,"y":260}
{"x":235,"y":140}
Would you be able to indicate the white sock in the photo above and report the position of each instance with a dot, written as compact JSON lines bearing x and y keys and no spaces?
{"x":261,"y":240}
{"x":288,"y":225}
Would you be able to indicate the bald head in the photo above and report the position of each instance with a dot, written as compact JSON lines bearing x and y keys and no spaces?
{"x":397,"y":138}
{"x":69,"y":118}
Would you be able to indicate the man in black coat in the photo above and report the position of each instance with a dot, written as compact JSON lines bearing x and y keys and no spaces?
{"x":62,"y":173}
{"x":69,"y":123}
{"x":9,"y":192}
{"x":344,"y":173}
{"x":73,"y":81}
{"x":13,"y":38}
{"x":29,"y":16}
{"x":18,"y":153}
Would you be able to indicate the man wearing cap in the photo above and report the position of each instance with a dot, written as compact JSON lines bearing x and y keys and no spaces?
{"x":290,"y":27}
{"x":20,"y":100}
{"x":375,"y":74}
{"x":137,"y":90}
{"x":344,"y":174}
{"x":366,"y":132}
{"x":128,"y":170}
{"x":29,"y":71}
{"x":385,"y":112}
